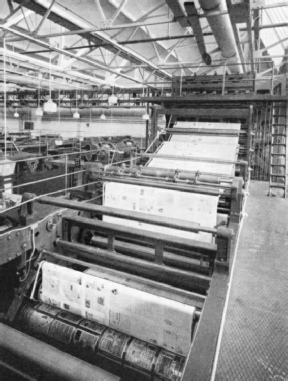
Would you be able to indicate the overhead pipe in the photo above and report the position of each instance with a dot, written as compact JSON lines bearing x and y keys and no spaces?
{"x":34,"y":82}
{"x":87,"y":111}
{"x":223,"y":32}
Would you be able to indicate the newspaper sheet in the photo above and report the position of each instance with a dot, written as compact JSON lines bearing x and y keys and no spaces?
{"x":148,"y":317}
{"x":194,"y":207}
{"x":200,"y":146}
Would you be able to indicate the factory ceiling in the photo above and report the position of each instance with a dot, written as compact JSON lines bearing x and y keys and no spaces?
{"x":92,"y":44}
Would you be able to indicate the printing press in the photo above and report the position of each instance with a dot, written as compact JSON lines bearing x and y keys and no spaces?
{"x":130,"y":284}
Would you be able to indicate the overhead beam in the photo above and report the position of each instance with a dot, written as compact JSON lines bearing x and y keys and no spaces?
{"x":47,"y":13}
{"x":46,"y":81}
{"x":43,"y":66}
{"x":276,"y":5}
{"x":106,"y":27}
{"x":250,"y":36}
{"x":74,"y":22}
{"x":10,"y":5}
{"x":276,"y":32}
{"x":172,"y":49}
{"x":127,"y":42}
{"x":145,"y":16}
{"x":122,"y":26}
{"x":11,"y":14}
{"x":117,"y":12}
{"x":100,"y":10}
{"x":71,"y":55}
{"x":12,"y":19}
{"x":271,"y":46}
{"x":138,"y":24}
{"x":236,"y":33}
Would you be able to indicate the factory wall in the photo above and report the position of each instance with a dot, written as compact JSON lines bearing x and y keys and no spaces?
{"x":67,"y":127}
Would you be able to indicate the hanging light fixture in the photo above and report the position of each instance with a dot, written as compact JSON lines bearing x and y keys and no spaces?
{"x":102,"y":116}
{"x":76,"y":114}
{"x":112,"y":100}
{"x":16,"y":114}
{"x":145,"y":116}
{"x":39,"y":111}
{"x":50,"y":106}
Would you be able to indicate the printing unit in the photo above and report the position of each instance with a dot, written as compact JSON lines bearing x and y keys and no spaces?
{"x":127,"y":282}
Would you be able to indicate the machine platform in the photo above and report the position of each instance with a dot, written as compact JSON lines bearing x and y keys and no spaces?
{"x":254,"y":342}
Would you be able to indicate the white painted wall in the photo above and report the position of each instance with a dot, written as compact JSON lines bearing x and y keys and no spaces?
{"x":77,"y":128}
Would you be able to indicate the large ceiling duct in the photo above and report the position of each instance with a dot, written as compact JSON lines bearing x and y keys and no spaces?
{"x":194,"y":21}
{"x":186,"y":14}
{"x":178,"y":11}
{"x":223,"y":32}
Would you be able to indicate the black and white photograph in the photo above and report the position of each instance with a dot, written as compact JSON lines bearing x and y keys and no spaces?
{"x":143,"y":190}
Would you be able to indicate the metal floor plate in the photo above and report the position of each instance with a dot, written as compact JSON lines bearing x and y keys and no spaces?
{"x":254,"y":344}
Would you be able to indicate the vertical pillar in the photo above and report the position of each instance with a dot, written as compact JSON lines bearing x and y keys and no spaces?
{"x":154,"y":119}
{"x":249,"y":139}
{"x":147,"y":122}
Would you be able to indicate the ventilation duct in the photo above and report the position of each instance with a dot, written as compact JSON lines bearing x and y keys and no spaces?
{"x":193,"y":19}
{"x":223,"y":32}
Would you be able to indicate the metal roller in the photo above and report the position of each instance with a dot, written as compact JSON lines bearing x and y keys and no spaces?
{"x":96,"y":342}
{"x":163,"y":174}
{"x":49,"y":359}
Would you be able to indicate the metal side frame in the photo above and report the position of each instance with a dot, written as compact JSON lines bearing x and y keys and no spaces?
{"x":199,"y":364}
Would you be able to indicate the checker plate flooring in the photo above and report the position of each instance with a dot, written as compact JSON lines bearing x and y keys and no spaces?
{"x":254,"y":344}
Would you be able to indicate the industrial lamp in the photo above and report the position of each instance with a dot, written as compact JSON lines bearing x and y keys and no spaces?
{"x":112,"y":100}
{"x":102,"y":116}
{"x":39,"y":111}
{"x":76,"y":114}
{"x":7,"y":167}
{"x":50,"y":106}
{"x":145,"y":116}
{"x":16,"y":114}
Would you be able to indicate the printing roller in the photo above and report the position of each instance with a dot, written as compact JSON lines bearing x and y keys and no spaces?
{"x":100,"y":345}
{"x":164,"y":173}
{"x":25,"y":358}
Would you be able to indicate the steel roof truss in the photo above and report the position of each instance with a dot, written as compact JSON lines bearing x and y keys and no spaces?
{"x":117,"y":12}
{"x":44,"y":18}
